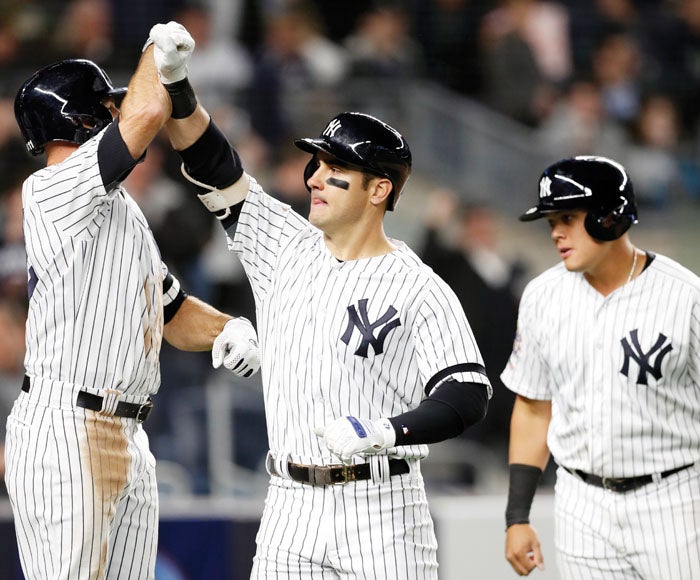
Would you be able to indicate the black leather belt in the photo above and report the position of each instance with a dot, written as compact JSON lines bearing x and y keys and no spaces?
{"x":94,"y":403}
{"x":622,"y":484}
{"x":332,"y":474}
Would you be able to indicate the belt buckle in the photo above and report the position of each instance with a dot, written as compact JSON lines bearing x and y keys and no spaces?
{"x":339,"y":474}
{"x":144,"y":411}
{"x":616,"y":484}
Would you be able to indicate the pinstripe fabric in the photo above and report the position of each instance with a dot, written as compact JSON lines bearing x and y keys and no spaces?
{"x":302,"y":294}
{"x":361,"y":530}
{"x":318,"y":364}
{"x":569,"y":348}
{"x":82,"y":484}
{"x":86,"y":504}
{"x":651,"y":533}
{"x":623,"y":375}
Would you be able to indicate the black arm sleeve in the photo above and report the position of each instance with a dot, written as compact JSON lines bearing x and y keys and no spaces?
{"x":212,"y":160}
{"x":113,"y":157}
{"x":446,"y":413}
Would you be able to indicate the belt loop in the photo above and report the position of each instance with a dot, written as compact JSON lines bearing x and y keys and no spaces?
{"x":379,"y":468}
{"x":110,"y":400}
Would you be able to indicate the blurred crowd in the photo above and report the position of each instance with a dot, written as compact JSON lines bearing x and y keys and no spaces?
{"x":613,"y":77}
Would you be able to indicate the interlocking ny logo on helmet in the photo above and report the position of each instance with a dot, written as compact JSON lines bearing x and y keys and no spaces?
{"x":64,"y":102}
{"x":367,"y":143}
{"x":596,"y":184}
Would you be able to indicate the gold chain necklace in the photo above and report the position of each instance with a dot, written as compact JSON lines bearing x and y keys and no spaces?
{"x":634,"y":267}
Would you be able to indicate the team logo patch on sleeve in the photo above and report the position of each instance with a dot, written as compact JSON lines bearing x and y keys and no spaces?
{"x":358,"y":318}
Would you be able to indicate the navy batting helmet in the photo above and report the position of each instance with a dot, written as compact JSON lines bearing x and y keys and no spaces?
{"x":367,"y":143}
{"x":64,"y":102}
{"x":597,"y":184}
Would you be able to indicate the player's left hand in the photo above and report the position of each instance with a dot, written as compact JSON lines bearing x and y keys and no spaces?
{"x":348,"y":436}
{"x":172,"y":52}
{"x":236,"y":348}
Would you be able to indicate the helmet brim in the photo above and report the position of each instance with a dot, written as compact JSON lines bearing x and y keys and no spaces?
{"x":118,"y":95}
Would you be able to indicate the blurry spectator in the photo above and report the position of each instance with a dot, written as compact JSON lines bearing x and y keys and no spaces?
{"x":448,"y":31}
{"x":526,"y":55}
{"x":579,"y":125}
{"x":462,"y":247}
{"x":15,"y":164}
{"x":382,"y":55}
{"x":287,"y":181}
{"x":13,"y":315}
{"x":296,"y":74}
{"x":675,"y":40}
{"x":133,"y":20}
{"x":13,"y":260}
{"x":654,"y":156}
{"x":27,"y":24}
{"x":220,"y":68}
{"x":597,"y":19}
{"x":616,"y":68}
{"x":85,"y":31}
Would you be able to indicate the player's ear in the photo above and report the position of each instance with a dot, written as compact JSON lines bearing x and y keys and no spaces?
{"x":380,"y":190}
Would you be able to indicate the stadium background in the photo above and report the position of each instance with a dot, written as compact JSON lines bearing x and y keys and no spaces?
{"x":487,"y":93}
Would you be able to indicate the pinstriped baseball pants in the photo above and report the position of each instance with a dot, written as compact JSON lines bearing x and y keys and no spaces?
{"x":359,"y":530}
{"x":652,"y":533}
{"x":83,"y":491}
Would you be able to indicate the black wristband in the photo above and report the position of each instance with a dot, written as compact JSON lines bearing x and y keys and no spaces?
{"x":523,"y":480}
{"x":182,"y":97}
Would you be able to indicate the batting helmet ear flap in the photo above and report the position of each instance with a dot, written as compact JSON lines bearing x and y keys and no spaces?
{"x":609,"y":226}
{"x":309,"y":170}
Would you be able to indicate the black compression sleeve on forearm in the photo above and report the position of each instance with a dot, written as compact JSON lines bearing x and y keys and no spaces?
{"x":212,"y":160}
{"x":443,"y":415}
{"x":523,"y":481}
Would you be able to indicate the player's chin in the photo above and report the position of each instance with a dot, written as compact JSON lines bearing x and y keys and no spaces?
{"x":318,"y":214}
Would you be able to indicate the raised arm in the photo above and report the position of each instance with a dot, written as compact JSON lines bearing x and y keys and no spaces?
{"x":146,"y":107}
{"x":209,"y":161}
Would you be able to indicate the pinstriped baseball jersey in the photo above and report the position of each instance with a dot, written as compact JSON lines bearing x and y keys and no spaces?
{"x":360,"y":338}
{"x":622,"y":371}
{"x":96,"y":280}
{"x":83,"y":483}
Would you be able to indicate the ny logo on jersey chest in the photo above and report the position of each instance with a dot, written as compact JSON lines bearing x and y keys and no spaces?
{"x":649,"y":362}
{"x":358,"y":318}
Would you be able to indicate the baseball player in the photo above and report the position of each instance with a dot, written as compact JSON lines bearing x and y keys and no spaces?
{"x":80,"y":475}
{"x":367,"y":355}
{"x":606,"y":368}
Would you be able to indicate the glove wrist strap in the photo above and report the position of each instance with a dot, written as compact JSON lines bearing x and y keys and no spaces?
{"x":182,"y":98}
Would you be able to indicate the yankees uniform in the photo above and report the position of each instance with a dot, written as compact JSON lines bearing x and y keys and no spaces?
{"x":359,"y":338}
{"x":98,"y":293}
{"x":622,"y":372}
{"x":344,"y":344}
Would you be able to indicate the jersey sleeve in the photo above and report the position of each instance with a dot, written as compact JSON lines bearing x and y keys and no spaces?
{"x":70,"y":196}
{"x":264,"y":226}
{"x":526,"y":372}
{"x":173,"y":294}
{"x":445,"y":345}
{"x":694,"y":365}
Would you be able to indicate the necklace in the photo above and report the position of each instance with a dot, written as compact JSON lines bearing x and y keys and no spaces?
{"x":634,"y":267}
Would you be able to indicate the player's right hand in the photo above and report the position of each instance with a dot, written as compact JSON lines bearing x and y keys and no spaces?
{"x":172,"y":52}
{"x":523,"y":549}
{"x":236,"y":348}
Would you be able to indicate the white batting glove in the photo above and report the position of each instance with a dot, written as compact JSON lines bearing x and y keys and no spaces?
{"x":172,"y":52}
{"x":237,"y":348}
{"x":348,"y":436}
